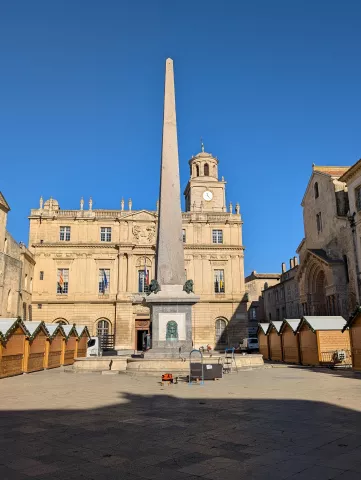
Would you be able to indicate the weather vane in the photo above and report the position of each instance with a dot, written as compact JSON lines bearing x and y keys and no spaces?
{"x":202,"y":145}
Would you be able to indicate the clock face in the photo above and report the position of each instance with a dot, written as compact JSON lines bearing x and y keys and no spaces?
{"x":207,"y":195}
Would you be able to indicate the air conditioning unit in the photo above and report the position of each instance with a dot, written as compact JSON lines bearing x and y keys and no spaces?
{"x":340,"y":355}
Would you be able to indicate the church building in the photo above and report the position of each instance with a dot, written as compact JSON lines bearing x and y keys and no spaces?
{"x":94,"y":266}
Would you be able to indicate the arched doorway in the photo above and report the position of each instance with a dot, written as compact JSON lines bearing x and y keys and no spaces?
{"x":319,"y":296}
{"x":221,"y":333}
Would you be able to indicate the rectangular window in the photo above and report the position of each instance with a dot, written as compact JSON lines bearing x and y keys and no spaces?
{"x":184,"y":235}
{"x":65,"y":234}
{"x":219,"y":286}
{"x":217,"y":236}
{"x":62,"y":281}
{"x":358,"y":198}
{"x":319,"y":222}
{"x":253,"y":313}
{"x":41,"y":275}
{"x":278,"y":313}
{"x":143,"y":281}
{"x":105,"y":234}
{"x":104,"y":280}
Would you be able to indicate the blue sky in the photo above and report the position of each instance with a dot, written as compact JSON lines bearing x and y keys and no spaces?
{"x":271,"y":86}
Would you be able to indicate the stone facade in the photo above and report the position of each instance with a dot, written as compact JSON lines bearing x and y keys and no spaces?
{"x":16,"y":272}
{"x":79,"y":247}
{"x":256,"y":283}
{"x":326,"y":281}
{"x":282,"y":299}
{"x":353,"y":181}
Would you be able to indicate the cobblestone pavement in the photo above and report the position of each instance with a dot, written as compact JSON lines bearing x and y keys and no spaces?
{"x":274,"y":423}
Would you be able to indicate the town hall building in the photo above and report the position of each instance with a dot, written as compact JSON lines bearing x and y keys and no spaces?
{"x":93,"y":266}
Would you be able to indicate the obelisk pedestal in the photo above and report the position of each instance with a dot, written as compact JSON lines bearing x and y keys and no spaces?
{"x":171,"y":307}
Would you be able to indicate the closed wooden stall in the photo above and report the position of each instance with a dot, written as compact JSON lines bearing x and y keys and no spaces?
{"x":354,"y":326}
{"x":71,"y":339}
{"x":321,"y":338}
{"x":290,"y":343}
{"x":263,"y":340}
{"x":55,"y":345}
{"x":12,"y":347}
{"x":83,"y":337}
{"x":35,"y":346}
{"x":275,"y":341}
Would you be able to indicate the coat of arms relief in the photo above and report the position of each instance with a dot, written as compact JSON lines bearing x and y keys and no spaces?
{"x":144,"y":233}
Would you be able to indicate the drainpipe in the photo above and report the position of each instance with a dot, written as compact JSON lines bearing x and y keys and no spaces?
{"x":351,"y":219}
{"x":19,"y":291}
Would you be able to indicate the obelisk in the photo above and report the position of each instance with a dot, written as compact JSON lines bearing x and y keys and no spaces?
{"x":171,"y":307}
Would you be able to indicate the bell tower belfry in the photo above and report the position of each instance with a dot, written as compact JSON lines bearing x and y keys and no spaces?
{"x":204,"y":192}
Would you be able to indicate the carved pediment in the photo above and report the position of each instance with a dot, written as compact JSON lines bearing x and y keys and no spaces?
{"x":141,"y":216}
{"x":143,"y":233}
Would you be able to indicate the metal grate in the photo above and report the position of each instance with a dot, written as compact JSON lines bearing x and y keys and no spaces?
{"x":107,"y":342}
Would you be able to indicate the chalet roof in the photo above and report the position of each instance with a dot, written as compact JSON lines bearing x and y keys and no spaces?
{"x":80,"y":329}
{"x":323,"y":322}
{"x":277,"y":325}
{"x":292,"y":322}
{"x":53,"y":328}
{"x":264,"y":327}
{"x":33,"y":327}
{"x":69,"y":329}
{"x":354,"y":315}
{"x":8,"y":325}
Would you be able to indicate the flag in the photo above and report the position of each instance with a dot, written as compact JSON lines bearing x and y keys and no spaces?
{"x":146,"y":273}
{"x":61,"y":281}
{"x":105,"y":281}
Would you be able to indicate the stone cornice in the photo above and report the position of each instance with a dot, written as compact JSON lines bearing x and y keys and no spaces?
{"x":120,"y":246}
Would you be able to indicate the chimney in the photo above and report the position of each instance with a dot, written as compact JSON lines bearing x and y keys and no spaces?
{"x":292,"y":263}
{"x":295,"y":261}
{"x":283,"y":267}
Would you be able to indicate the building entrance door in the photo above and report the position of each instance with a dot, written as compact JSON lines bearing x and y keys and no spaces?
{"x":142,"y":328}
{"x":140,"y":339}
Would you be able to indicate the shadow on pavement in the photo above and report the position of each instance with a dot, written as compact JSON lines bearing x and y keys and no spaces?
{"x":166,"y":437}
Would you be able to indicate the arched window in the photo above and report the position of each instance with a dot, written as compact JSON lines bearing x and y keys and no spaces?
{"x":346,"y":268}
{"x":103,"y":328}
{"x":24,"y":311}
{"x":221,"y":333}
{"x":197,"y":170}
{"x":206,"y":170}
{"x":316,"y":190}
{"x":61,"y":321}
{"x":9,"y":301}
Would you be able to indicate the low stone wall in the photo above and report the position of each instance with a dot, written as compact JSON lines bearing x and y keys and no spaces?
{"x":154,"y":366}
{"x":99,"y":364}
{"x":253,"y":360}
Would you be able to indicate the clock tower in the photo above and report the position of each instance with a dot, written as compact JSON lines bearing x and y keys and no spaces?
{"x":204,"y":192}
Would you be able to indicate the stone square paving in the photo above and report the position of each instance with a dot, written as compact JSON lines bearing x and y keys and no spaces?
{"x":272,"y":423}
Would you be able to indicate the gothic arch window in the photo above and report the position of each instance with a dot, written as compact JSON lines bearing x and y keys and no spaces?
{"x":103,"y":327}
{"x":316,"y":190}
{"x":345,"y":260}
{"x":61,"y":321}
{"x":9,"y":301}
{"x":206,"y":170}
{"x":221,"y":332}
